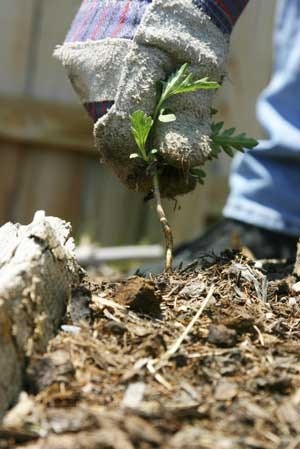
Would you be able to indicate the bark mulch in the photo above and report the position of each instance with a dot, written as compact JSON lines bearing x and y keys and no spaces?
{"x":203,"y":358}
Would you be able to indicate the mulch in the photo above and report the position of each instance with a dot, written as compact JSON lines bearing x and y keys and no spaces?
{"x":203,"y":358}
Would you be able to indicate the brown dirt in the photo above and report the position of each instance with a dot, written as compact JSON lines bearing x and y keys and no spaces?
{"x":133,"y":373}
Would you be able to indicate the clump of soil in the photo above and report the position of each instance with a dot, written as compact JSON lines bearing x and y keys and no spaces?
{"x":204,"y":358}
{"x":140,"y":296}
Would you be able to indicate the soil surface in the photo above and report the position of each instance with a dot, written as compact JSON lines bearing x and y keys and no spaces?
{"x":203,"y":358}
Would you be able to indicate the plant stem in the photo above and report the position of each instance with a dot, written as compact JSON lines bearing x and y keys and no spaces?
{"x":164,"y":223}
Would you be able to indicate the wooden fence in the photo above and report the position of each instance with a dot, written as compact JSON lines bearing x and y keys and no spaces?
{"x":47,"y":156}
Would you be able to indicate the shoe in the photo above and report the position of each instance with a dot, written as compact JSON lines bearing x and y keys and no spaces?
{"x":232,"y":234}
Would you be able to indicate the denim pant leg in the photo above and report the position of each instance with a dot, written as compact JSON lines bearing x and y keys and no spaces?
{"x":265,"y":182}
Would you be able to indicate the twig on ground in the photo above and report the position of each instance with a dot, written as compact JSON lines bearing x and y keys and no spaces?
{"x":174,"y":348}
{"x":260,"y":336}
{"x":158,"y":377}
{"x":100,"y":301}
{"x":154,"y":366}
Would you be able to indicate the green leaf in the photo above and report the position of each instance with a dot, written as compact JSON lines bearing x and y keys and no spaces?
{"x":216,"y":127}
{"x":198,"y":173}
{"x":189,"y":85}
{"x":141,"y":125}
{"x":216,"y":150}
{"x":228,"y":132}
{"x":228,"y":150}
{"x":225,"y":140}
{"x":173,"y":81}
{"x":183,"y":82}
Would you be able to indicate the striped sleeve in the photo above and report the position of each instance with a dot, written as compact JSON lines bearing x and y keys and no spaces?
{"x":99,"y":19}
{"x":224,"y":13}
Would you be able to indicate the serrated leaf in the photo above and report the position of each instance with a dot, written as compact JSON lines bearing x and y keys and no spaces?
{"x":176,"y":78}
{"x":194,"y":86}
{"x":235,"y":141}
{"x":228,"y":150}
{"x":198,"y":172}
{"x":183,"y":82}
{"x":226,"y":141}
{"x":216,"y":127}
{"x":216,"y":150}
{"x":229,"y":132}
{"x":141,"y":125}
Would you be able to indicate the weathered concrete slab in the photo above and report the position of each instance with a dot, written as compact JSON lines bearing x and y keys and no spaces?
{"x":37,"y":270}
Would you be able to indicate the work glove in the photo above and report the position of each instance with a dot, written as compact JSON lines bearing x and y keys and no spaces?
{"x":122,"y":76}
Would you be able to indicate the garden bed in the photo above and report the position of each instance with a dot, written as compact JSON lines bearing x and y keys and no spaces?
{"x":206,"y":357}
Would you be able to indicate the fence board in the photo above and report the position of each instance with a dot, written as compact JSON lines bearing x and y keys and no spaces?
{"x":23,"y":119}
{"x":45,"y":186}
{"x":50,"y":81}
{"x":51,"y":181}
{"x":112,"y":214}
{"x":9,"y":168}
{"x":15,"y":25}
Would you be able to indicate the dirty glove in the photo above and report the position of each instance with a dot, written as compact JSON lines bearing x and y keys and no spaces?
{"x":122,"y":74}
{"x":171,"y":32}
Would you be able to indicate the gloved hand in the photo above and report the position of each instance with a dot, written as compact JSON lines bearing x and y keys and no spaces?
{"x":125,"y":74}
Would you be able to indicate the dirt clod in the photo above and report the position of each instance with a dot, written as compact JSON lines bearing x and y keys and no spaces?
{"x":220,"y":335}
{"x":139,"y":295}
{"x":241,"y":322}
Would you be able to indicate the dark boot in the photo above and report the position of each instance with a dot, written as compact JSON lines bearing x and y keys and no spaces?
{"x":228,"y":233}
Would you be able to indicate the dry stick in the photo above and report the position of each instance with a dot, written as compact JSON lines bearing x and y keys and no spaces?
{"x":158,"y":377}
{"x":174,"y":348}
{"x":164,"y":223}
{"x":155,"y":366}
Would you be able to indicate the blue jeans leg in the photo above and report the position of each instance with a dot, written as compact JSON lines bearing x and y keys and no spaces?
{"x":265,"y":182}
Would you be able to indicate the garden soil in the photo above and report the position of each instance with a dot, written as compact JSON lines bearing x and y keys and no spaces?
{"x":203,"y":358}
